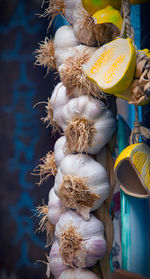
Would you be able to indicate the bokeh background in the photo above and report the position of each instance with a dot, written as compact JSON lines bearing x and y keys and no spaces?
{"x":24,"y":139}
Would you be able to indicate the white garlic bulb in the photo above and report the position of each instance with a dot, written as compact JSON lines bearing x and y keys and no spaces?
{"x":84,"y":26}
{"x":63,"y":7}
{"x":81,"y":243}
{"x":72,"y":73}
{"x":87,"y":123}
{"x":56,"y":264}
{"x":64,"y":41}
{"x":78,"y":273}
{"x":81,"y":183}
{"x":55,"y":208}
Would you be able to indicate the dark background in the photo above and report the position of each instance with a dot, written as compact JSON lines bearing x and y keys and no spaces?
{"x":23,"y":137}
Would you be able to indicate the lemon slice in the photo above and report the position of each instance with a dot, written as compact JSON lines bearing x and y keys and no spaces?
{"x":108,"y":15}
{"x":112,"y":66}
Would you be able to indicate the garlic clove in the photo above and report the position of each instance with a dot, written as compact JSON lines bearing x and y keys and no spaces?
{"x":63,"y":48}
{"x":55,"y":208}
{"x":55,"y":260}
{"x":60,"y":150}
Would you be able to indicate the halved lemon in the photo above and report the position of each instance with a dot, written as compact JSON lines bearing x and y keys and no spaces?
{"x":112,"y":66}
{"x":132,"y":169}
{"x":109,"y":15}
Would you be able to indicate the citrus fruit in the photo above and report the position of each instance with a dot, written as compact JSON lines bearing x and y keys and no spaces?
{"x":132,"y":169}
{"x":112,"y":66}
{"x":92,"y":6}
{"x":108,"y":15}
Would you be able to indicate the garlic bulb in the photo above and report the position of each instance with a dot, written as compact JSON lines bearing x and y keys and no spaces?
{"x":64,"y":41}
{"x":64,"y":7}
{"x":60,"y":150}
{"x":55,"y":208}
{"x":83,"y":27}
{"x":73,"y":76}
{"x":52,"y":53}
{"x":56,"y":264}
{"x":81,"y":183}
{"x":81,"y":242}
{"x":87,"y":123}
{"x":88,"y":32}
{"x":78,"y":273}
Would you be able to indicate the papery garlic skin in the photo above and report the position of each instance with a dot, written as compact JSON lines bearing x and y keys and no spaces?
{"x":55,"y":260}
{"x":90,"y":109}
{"x":60,"y":150}
{"x":55,"y":208}
{"x":64,"y":41}
{"x":72,"y":74}
{"x":70,"y":7}
{"x":81,"y":166}
{"x":92,"y":245}
{"x":78,"y":273}
{"x":83,"y":27}
{"x":57,"y":101}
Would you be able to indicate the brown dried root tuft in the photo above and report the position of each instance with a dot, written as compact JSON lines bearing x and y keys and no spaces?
{"x":47,"y":168}
{"x":105,"y":33}
{"x":79,"y":135}
{"x":73,"y":76}
{"x":44,"y":224}
{"x":45,"y":55}
{"x":47,"y":263}
{"x":70,"y":243}
{"x":75,"y":194}
{"x":55,"y":8}
{"x":49,"y":118}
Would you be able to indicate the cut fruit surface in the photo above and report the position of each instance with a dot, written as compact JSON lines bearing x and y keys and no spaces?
{"x":108,"y":15}
{"x":112,"y":66}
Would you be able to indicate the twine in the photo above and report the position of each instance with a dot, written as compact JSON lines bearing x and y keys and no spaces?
{"x":138,"y":131}
{"x":126,"y":26}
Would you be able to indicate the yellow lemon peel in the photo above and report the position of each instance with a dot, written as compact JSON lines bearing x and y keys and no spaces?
{"x":109,"y":15}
